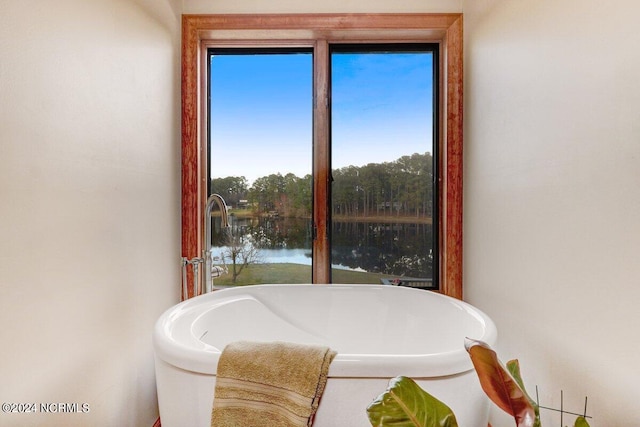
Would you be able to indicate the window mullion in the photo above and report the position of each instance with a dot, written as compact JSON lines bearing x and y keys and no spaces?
{"x":321,"y":163}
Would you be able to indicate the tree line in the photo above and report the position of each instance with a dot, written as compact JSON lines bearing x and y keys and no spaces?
{"x":403,"y":187}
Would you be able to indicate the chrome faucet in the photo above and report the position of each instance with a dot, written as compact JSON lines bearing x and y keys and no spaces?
{"x":207,"y":282}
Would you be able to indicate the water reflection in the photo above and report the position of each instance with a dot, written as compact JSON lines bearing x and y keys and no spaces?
{"x":399,"y":249}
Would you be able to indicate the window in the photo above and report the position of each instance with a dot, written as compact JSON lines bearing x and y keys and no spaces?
{"x":342,"y":186}
{"x":260,"y":160}
{"x":383,"y":163}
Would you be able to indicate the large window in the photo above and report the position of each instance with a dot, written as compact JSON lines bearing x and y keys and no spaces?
{"x":339,"y":155}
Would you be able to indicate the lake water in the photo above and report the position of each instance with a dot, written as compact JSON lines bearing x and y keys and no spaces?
{"x":390,"y":248}
{"x":283,"y":256}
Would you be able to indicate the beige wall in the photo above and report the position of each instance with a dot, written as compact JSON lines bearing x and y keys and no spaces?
{"x":89,"y":204}
{"x":552,"y":195}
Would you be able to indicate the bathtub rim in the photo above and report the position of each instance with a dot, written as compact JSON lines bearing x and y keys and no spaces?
{"x":193,"y":355}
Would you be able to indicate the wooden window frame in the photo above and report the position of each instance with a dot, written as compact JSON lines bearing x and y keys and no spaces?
{"x":319,"y":30}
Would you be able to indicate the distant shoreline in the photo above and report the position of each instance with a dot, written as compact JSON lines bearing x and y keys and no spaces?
{"x":387,"y":219}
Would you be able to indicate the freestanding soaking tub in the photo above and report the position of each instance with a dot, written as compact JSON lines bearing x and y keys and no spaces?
{"x":378,"y":331}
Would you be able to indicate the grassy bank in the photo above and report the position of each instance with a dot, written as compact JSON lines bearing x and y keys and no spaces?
{"x":293,"y":273}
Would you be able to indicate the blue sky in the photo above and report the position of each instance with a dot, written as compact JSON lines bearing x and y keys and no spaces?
{"x":261,"y":111}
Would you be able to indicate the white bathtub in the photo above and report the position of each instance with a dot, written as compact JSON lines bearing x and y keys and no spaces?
{"x":379,"y":332}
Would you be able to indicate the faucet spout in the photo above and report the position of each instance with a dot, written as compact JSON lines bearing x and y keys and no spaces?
{"x":214,"y":199}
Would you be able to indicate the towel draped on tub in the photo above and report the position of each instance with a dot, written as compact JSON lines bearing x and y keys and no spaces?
{"x":273,"y":384}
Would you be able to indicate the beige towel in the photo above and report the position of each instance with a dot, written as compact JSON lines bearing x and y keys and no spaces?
{"x":273,"y":384}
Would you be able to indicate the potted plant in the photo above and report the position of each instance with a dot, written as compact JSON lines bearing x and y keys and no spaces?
{"x":406,"y":404}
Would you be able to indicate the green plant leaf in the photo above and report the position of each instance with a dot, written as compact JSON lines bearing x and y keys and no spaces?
{"x":581,"y":422}
{"x":513,"y":366}
{"x":405,"y":404}
{"x":499,"y":385}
